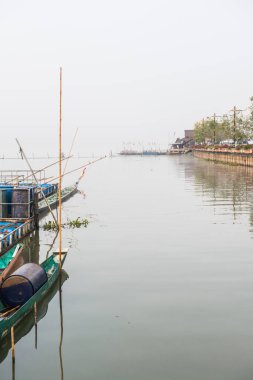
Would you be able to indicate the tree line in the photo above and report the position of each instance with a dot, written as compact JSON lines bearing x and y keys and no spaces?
{"x":236,"y":127}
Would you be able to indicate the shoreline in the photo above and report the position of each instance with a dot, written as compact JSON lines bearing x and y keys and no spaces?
{"x":233,"y":157}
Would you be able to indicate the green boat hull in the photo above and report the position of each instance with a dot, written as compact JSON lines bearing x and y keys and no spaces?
{"x":67,"y":192}
{"x":8,"y":256}
{"x":26,"y":324}
{"x":52,"y":268}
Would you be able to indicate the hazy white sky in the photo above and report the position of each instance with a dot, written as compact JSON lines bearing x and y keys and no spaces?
{"x":136,"y":70}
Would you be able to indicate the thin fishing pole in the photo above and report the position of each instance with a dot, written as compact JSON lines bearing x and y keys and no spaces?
{"x":70,"y":151}
{"x":37,"y":171}
{"x":45,"y":199}
{"x":80,"y":167}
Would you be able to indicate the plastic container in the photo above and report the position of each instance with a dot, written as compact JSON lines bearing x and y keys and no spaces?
{"x":20,"y":206}
{"x":22,"y":284}
{"x":9,"y":198}
{"x":3,"y":203}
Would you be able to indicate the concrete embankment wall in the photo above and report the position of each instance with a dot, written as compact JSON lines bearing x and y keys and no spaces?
{"x":232,"y":158}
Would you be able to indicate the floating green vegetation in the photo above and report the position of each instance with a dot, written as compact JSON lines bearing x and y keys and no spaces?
{"x":75,"y":223}
{"x":50,"y":226}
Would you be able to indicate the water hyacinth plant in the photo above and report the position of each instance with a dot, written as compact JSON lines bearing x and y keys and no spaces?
{"x":75,"y":223}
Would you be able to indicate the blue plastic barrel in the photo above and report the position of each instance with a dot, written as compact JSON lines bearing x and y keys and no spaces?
{"x":22,"y":284}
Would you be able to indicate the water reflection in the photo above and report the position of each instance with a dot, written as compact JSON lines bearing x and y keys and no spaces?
{"x":52,"y":244}
{"x":227,"y":189}
{"x":13,"y":353}
{"x":26,"y":325}
{"x":31,"y":253}
{"x":61,"y":323}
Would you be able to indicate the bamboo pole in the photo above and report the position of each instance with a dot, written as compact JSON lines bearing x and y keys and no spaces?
{"x":80,"y":167}
{"x":60,"y":172}
{"x":8,"y":311}
{"x":35,"y":325}
{"x":37,"y":171}
{"x":60,"y":223}
{"x":62,"y":329}
{"x":13,"y":352}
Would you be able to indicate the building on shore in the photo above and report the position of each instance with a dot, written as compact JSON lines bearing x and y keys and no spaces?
{"x":183,"y":145}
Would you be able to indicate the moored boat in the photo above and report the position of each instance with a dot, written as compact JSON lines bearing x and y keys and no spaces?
{"x":26,"y":324}
{"x":52,"y":200}
{"x":10,"y":316}
{"x":8,"y":261}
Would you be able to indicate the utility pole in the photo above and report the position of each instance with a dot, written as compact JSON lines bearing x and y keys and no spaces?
{"x":214,"y":127}
{"x":203,"y":126}
{"x":235,"y":110}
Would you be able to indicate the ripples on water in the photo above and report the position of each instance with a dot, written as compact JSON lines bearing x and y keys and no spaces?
{"x":160,"y":283}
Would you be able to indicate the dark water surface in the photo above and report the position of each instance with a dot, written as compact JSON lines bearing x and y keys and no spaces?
{"x":160,"y":283}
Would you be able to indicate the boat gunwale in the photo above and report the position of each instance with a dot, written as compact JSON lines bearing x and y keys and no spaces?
{"x":55,"y":200}
{"x":11,"y":320}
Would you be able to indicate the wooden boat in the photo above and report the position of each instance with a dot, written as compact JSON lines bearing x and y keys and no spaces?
{"x":66,"y":192}
{"x":11,"y":317}
{"x":10,"y":260}
{"x":27,"y":323}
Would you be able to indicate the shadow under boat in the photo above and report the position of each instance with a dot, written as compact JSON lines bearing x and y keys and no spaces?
{"x":26,"y":325}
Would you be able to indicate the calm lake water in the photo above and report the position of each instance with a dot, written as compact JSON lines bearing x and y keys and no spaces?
{"x":160,"y":283}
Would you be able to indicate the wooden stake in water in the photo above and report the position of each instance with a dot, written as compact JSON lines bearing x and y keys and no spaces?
{"x":13,"y":352}
{"x":60,"y":171}
{"x":35,"y":325}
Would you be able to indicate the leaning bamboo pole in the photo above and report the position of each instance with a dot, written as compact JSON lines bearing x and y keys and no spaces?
{"x":36,"y":171}
{"x":45,"y":199}
{"x":79,"y":168}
